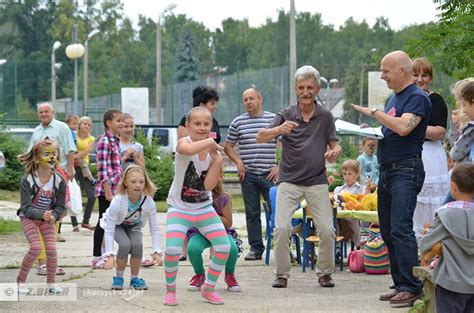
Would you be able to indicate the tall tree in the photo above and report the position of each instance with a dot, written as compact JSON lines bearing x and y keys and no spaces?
{"x":187,"y":68}
{"x":449,"y":41}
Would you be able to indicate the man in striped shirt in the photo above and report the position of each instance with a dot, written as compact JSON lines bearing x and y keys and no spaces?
{"x":256,"y":164}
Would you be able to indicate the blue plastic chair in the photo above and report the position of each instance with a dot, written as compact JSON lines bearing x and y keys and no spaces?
{"x":270,"y":210}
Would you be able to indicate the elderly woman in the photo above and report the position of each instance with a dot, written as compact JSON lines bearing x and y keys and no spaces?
{"x":435,"y":162}
{"x":85,"y":145}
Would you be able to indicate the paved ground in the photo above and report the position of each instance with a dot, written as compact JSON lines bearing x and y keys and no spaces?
{"x":353,"y":292}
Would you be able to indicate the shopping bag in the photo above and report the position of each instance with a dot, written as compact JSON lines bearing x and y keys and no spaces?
{"x":376,"y":261}
{"x":356,"y":261}
{"x":75,"y":207}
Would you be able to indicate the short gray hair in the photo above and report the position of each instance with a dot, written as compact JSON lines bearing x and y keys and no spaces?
{"x":46,"y":104}
{"x":307,"y":72}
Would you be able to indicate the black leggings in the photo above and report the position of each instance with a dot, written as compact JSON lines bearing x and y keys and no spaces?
{"x":99,"y":232}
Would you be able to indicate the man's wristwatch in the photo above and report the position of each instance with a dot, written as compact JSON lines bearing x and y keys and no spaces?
{"x":373,"y":111}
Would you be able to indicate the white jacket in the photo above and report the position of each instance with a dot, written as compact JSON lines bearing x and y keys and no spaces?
{"x":116,"y":214}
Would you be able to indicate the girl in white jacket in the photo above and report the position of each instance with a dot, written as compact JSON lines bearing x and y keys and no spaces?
{"x":123,"y":221}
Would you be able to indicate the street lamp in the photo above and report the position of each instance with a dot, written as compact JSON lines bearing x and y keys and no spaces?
{"x":86,"y":69}
{"x":292,"y":51}
{"x":169,"y":7}
{"x":75,"y":51}
{"x":56,"y":46}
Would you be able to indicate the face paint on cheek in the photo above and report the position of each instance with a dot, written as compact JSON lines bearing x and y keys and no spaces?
{"x":48,"y":157}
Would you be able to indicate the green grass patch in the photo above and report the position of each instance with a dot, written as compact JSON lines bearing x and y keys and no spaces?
{"x":9,"y":226}
{"x":8,"y":195}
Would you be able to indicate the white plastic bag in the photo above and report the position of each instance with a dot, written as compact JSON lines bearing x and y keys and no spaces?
{"x":75,"y":198}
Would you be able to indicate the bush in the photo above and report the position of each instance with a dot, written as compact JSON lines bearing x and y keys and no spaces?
{"x":10,"y":175}
{"x":159,"y":165}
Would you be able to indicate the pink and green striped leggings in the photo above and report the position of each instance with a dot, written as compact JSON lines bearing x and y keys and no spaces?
{"x":210,"y":226}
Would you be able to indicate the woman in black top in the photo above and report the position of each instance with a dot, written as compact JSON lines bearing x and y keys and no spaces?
{"x":207,"y":97}
{"x":435,"y":162}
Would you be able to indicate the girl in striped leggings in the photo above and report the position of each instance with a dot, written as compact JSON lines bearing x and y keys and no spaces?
{"x":43,"y":193}
{"x":197,"y":169}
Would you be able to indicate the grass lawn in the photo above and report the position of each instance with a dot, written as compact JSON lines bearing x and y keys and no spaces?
{"x":14,"y":196}
{"x":9,"y":226}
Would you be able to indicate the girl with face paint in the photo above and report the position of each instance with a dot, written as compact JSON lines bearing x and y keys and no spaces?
{"x":43,"y":195}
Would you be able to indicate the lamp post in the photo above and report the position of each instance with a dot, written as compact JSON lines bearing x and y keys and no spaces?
{"x":169,"y":7}
{"x":86,"y":70}
{"x":75,"y":51}
{"x":2,"y":61}
{"x":56,"y":45}
{"x":292,"y":51}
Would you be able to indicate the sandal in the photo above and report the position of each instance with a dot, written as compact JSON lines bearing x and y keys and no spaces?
{"x":147,"y":263}
{"x":43,"y":270}
{"x":98,"y":263}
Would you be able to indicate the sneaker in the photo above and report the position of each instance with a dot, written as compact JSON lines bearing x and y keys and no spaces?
{"x":211,"y":296}
{"x":93,"y":182}
{"x":23,"y":290}
{"x":88,"y":226}
{"x":232,"y":284}
{"x":138,"y":284}
{"x":183,"y":257}
{"x":196,"y":282}
{"x":170,"y":298}
{"x":117,"y":283}
{"x":53,"y":288}
{"x":75,"y":229}
{"x":60,"y":238}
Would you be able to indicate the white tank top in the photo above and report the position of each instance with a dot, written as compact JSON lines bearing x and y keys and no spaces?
{"x":187,"y":190}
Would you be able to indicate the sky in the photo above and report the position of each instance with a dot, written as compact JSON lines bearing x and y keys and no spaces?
{"x":211,"y":12}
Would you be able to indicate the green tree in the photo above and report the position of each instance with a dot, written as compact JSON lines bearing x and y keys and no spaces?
{"x":448,"y":42}
{"x":186,"y":61}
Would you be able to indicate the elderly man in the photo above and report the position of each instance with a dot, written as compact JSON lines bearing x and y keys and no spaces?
{"x":256,"y":164}
{"x":59,"y":132}
{"x":404,"y":121}
{"x":308,"y":140}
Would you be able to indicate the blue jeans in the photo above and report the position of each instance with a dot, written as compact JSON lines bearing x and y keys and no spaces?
{"x":253,"y":186}
{"x":399,"y":184}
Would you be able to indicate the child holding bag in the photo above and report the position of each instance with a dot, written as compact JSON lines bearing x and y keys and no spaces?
{"x":43,"y":194}
{"x":123,"y":221}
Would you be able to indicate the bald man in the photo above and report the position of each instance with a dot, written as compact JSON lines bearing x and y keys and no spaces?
{"x":404,"y":121}
{"x":59,"y":132}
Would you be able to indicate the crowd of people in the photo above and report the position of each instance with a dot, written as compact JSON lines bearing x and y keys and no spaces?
{"x":419,"y":201}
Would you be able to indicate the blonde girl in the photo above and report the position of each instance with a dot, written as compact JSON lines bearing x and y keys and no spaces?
{"x":197,"y":170}
{"x":131,"y":152}
{"x":43,"y":194}
{"x":129,"y":211}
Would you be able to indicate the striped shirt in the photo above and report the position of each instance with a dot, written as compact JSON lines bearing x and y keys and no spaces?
{"x":258,"y":158}
{"x":109,"y":166}
{"x":44,"y":197}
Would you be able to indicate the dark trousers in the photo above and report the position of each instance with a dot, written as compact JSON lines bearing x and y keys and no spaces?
{"x":448,"y":301}
{"x":399,"y":184}
{"x":99,"y":232}
{"x":90,"y":192}
{"x":252,"y":187}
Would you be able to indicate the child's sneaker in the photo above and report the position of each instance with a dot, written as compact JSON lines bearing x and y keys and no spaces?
{"x":53,"y":288}
{"x":117,"y":283}
{"x":23,"y":290}
{"x":170,"y":298}
{"x":138,"y":284}
{"x":232,"y":284}
{"x":211,"y":297}
{"x":93,"y":182}
{"x":196,"y":282}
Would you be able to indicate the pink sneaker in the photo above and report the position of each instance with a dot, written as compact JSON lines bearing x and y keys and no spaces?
{"x":196,"y":282}
{"x":211,"y":297}
{"x":170,"y":299}
{"x":232,"y":284}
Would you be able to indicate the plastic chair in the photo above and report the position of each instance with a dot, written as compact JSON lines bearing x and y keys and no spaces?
{"x":310,"y":241}
{"x":270,"y":210}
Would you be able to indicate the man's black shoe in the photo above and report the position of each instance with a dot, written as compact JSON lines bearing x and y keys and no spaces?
{"x":253,"y":256}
